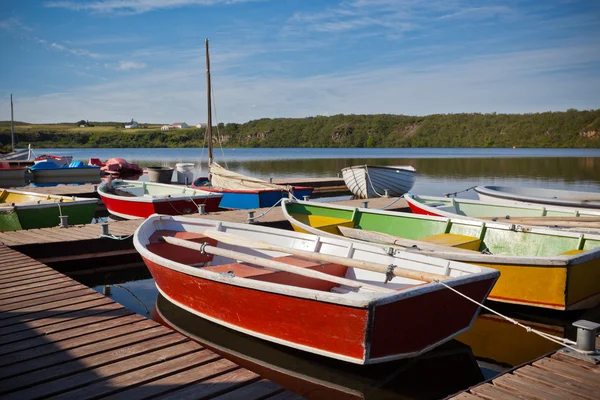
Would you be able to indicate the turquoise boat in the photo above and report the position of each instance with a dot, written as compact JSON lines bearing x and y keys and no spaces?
{"x":27,"y":210}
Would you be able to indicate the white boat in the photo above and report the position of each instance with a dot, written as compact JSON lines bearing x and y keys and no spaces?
{"x":323,"y":295}
{"x":555,"y":197}
{"x":367,"y":181}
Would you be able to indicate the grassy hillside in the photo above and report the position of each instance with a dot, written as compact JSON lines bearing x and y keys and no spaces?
{"x":577,"y":129}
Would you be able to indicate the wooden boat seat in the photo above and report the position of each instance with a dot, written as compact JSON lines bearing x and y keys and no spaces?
{"x":177,"y":253}
{"x":454,"y":240}
{"x":243,"y":270}
{"x":572,"y":252}
{"x":327,"y":224}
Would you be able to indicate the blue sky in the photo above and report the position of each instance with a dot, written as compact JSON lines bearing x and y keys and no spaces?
{"x":65,"y":60}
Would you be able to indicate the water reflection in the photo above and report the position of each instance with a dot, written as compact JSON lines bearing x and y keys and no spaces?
{"x":437,"y":374}
{"x":493,"y":345}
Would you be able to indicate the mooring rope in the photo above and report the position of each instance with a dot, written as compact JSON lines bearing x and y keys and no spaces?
{"x":266,"y":212}
{"x":371,"y":183}
{"x":460,"y":191}
{"x":558,"y":340}
{"x":115,"y":237}
{"x":384,"y":207}
{"x":134,"y":296}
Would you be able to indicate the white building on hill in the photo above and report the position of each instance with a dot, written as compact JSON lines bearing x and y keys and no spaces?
{"x":179,"y":125}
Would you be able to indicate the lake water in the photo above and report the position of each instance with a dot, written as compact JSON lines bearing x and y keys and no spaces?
{"x":439,"y":171}
{"x":490,"y":347}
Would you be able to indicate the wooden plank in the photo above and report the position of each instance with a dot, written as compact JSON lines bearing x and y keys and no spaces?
{"x":9,"y":287}
{"x":57,"y":314}
{"x":257,"y":390}
{"x":532,"y":388}
{"x":70,"y":329}
{"x":85,"y":350}
{"x":66,"y":320}
{"x":118,"y":326}
{"x":35,"y":312}
{"x":70,"y":293}
{"x":18,"y":263}
{"x":41,"y":285}
{"x":287,"y":395}
{"x":569,"y":370}
{"x":200,"y":382}
{"x":577,"y":361}
{"x":491,"y":392}
{"x":550,"y":379}
{"x":135,"y":370}
{"x":34,"y":294}
{"x":24,"y":270}
{"x":153,"y":341}
{"x":465,"y":396}
{"x":14,"y":280}
{"x":32,"y":236}
{"x":10,"y":239}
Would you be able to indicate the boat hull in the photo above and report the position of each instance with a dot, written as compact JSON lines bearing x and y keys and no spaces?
{"x":246,"y":199}
{"x":308,"y":313}
{"x":358,"y":335}
{"x":14,"y":173}
{"x":555,"y":197}
{"x":567,"y":279}
{"x":368,"y":181}
{"x":92,"y":173}
{"x":41,"y":211}
{"x":170,"y":201}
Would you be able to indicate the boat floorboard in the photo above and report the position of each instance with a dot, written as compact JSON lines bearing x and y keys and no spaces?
{"x":555,"y":376}
{"x":61,"y":338}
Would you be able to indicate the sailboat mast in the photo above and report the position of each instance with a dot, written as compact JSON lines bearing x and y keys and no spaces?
{"x":12,"y":124}
{"x":208,"y":100}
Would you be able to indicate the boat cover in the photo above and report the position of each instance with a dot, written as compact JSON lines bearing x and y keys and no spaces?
{"x":224,"y":179}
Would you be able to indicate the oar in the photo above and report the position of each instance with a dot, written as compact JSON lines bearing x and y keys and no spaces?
{"x":372,"y":236}
{"x":264,"y":262}
{"x":310,"y":255}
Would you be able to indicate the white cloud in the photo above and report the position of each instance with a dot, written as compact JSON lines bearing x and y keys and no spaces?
{"x":11,"y":24}
{"x":134,"y":6}
{"x":77,"y":52}
{"x":128,"y":65}
{"x":517,"y":82}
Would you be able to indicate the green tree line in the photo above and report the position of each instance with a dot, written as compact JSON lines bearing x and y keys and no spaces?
{"x":572,"y":128}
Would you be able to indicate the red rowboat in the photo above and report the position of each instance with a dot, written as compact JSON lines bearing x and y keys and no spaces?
{"x":137,"y":199}
{"x":318,"y":294}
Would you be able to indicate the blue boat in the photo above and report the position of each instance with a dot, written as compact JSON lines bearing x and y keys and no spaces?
{"x":257,"y":198}
{"x":239,"y":191}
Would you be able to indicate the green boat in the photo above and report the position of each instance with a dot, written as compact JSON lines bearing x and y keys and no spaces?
{"x":27,"y":210}
{"x":539,"y":267}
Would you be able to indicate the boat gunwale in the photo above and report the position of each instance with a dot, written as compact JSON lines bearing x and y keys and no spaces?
{"x":403,"y":168}
{"x":477,"y":257}
{"x":352,"y":299}
{"x":485,"y":190}
{"x":31,"y":205}
{"x":413,"y":198}
{"x":203,"y":195}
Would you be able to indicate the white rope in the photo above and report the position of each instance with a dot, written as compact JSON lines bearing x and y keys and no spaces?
{"x":562,"y":341}
{"x":384,"y":207}
{"x":111,"y":236}
{"x":371,"y":183}
{"x":265,"y":213}
{"x":59,"y":209}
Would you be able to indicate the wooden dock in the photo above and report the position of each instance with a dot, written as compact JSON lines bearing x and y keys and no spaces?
{"x":68,"y":246}
{"x":553,"y":377}
{"x":323,"y":187}
{"x":61,"y":339}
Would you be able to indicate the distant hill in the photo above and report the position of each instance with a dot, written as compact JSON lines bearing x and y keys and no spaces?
{"x":572,"y":128}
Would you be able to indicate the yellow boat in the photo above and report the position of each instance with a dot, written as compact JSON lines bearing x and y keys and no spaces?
{"x":539,"y":267}
{"x":27,"y":210}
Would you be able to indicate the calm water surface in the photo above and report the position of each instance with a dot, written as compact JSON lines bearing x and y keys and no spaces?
{"x":490,"y":347}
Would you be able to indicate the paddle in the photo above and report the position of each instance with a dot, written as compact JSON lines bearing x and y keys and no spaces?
{"x":349,"y":262}
{"x":264,"y":262}
{"x":409,"y":244}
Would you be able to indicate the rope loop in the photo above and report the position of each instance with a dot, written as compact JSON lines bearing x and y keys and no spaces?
{"x":389,"y":273}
